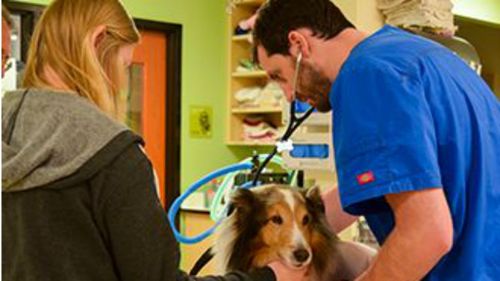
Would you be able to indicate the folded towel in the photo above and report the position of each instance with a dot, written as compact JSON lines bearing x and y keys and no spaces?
{"x":435,"y":14}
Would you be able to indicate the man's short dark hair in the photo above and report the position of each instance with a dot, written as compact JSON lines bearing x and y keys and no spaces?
{"x":278,"y":17}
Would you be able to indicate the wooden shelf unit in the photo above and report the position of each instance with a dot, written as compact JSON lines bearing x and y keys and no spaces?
{"x":250,"y":3}
{"x":240,"y":47}
{"x":246,"y":38}
{"x":250,"y":143}
{"x":256,"y":110}
{"x":250,"y":74}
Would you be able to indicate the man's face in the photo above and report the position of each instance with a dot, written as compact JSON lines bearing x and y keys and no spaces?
{"x":312,"y":85}
{"x":6,"y":45}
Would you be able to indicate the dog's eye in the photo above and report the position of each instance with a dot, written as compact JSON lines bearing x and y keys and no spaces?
{"x":306,"y":220}
{"x":277,"y":220}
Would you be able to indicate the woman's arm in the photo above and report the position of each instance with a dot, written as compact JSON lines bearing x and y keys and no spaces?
{"x":136,"y":229}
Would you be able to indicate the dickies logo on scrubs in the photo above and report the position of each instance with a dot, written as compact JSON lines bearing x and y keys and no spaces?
{"x":365,"y":178}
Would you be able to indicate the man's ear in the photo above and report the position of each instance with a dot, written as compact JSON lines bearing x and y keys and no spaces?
{"x":298,"y":44}
{"x":98,"y":35}
{"x":314,"y":201}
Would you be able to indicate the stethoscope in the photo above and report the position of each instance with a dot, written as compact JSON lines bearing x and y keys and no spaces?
{"x":293,"y":124}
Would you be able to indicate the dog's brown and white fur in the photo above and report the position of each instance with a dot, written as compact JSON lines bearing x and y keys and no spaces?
{"x":275,"y":222}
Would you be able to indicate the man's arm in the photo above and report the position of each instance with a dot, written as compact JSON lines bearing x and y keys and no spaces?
{"x":337,"y":218}
{"x":422,"y":235}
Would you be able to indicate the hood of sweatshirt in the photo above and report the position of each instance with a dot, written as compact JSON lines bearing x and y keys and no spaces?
{"x":48,"y":136}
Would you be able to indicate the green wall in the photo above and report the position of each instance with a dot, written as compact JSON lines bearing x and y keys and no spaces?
{"x":204,"y":75}
{"x":483,"y":10}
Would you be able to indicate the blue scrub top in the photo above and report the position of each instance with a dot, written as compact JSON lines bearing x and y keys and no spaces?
{"x":411,"y":115}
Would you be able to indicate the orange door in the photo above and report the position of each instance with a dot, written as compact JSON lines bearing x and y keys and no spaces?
{"x":147,"y":99}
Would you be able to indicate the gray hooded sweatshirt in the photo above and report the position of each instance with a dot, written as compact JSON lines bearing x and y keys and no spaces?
{"x":54,"y":135}
{"x":78,"y":197}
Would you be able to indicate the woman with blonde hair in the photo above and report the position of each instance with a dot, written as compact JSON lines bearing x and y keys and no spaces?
{"x":79,"y":197}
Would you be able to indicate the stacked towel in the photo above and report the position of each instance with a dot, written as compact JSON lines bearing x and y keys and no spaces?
{"x":268,"y":96}
{"x":434,"y":15}
{"x":257,"y":128}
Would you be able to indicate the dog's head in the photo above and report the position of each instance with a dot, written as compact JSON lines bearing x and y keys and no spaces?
{"x":272,"y":223}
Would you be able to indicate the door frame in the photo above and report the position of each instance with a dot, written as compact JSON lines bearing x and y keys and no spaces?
{"x":31,"y":13}
{"x":173,"y":32}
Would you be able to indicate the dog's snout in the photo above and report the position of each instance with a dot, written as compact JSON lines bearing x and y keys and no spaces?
{"x":301,"y":255}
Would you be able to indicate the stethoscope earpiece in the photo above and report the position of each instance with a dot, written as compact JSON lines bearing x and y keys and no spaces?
{"x":299,"y":58}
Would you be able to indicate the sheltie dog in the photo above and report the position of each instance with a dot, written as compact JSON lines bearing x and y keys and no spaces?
{"x":277,"y":222}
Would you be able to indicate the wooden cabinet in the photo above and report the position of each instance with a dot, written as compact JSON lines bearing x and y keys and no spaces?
{"x":195,"y":222}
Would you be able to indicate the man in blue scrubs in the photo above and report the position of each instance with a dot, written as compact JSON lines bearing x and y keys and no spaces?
{"x":416,"y":137}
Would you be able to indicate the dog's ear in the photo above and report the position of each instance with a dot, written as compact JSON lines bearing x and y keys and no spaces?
{"x":313,"y":199}
{"x":242,"y":201}
{"x":245,"y":226}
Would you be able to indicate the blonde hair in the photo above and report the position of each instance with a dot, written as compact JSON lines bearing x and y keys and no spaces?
{"x":62,"y":41}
